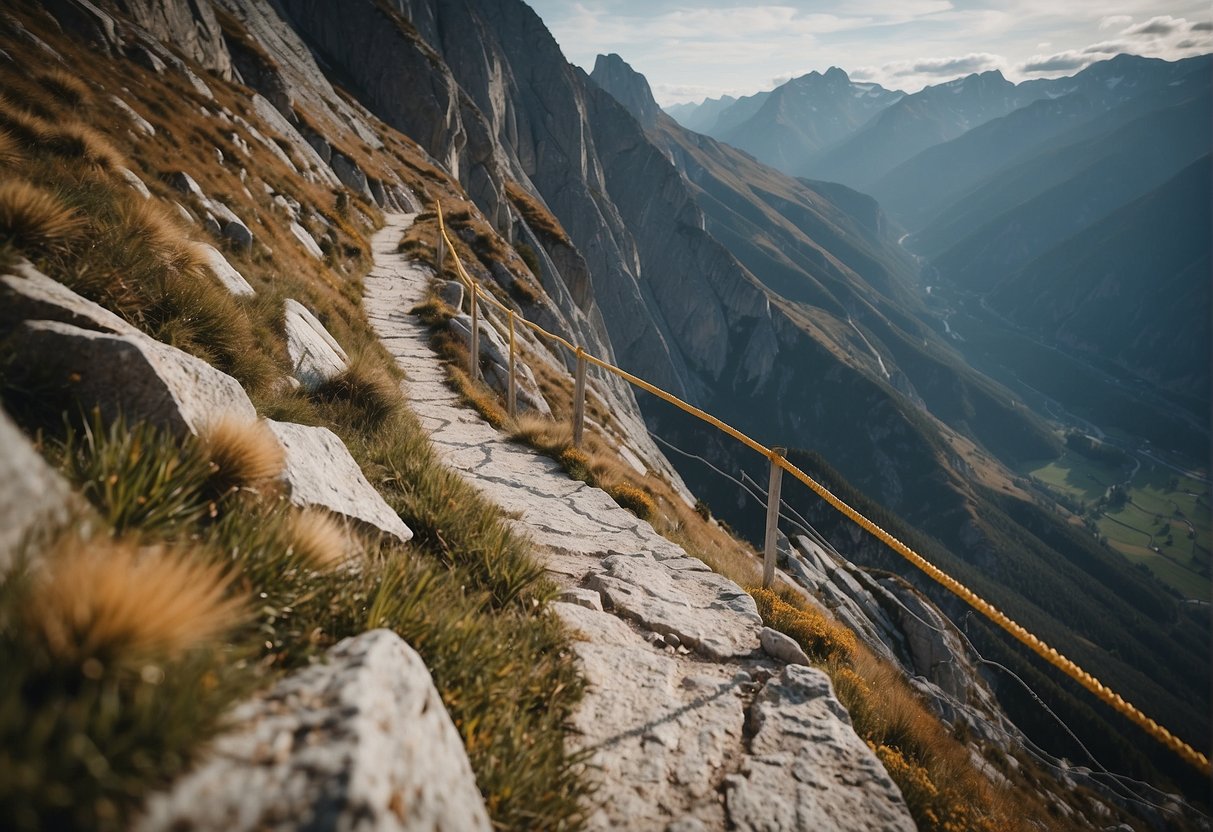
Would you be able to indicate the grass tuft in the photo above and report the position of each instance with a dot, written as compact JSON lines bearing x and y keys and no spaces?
{"x":10,"y":149}
{"x":370,"y":393}
{"x":320,"y":540}
{"x":76,"y":141}
{"x":634,"y":499}
{"x":35,"y":220}
{"x":106,"y":601}
{"x":241,"y":454}
{"x":66,"y":88}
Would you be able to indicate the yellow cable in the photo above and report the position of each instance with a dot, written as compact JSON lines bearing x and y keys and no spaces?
{"x":1040,"y":648}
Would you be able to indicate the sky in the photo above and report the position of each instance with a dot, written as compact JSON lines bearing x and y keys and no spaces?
{"x":689,"y":51}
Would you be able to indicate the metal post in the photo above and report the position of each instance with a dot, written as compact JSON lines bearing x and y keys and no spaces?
{"x":579,"y":400}
{"x":512,"y":395}
{"x":769,"y":547}
{"x":474,"y":351}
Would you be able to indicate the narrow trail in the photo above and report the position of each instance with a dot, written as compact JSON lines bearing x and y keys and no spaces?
{"x":674,"y":664}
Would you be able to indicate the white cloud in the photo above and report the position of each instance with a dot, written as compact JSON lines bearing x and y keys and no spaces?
{"x":1156,"y":27}
{"x":1114,"y":20}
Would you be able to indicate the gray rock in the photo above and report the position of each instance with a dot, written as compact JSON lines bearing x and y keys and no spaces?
{"x":708,"y":612}
{"x":319,"y":471}
{"x":34,"y":499}
{"x":587,"y":598}
{"x":238,"y":234}
{"x":307,"y":240}
{"x":661,"y":729}
{"x":184,"y":213}
{"x":232,"y":280}
{"x":361,"y":742}
{"x":495,"y":352}
{"x":185,"y":183}
{"x":836,"y":782}
{"x":315,"y":355}
{"x":351,"y":175}
{"x":451,"y":293}
{"x":141,"y":124}
{"x":26,"y":294}
{"x":782,"y":646}
{"x":135,"y":182}
{"x":130,"y":375}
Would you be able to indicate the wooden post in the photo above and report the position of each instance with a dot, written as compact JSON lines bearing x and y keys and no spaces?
{"x":772,"y":537}
{"x":512,"y":395}
{"x":440,"y":249}
{"x":474,"y":350}
{"x":579,"y":400}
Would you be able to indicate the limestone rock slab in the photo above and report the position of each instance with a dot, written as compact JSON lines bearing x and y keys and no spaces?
{"x":306,"y":239}
{"x":314,"y":353}
{"x":808,"y":770}
{"x":132,"y":375}
{"x":708,"y":612}
{"x":227,"y":274}
{"x":320,"y":472}
{"x":27,"y":294}
{"x":782,"y":646}
{"x":362,"y":742}
{"x":662,"y":730}
{"x":33,"y":497}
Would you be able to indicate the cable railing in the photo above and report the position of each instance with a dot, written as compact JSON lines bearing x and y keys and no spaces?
{"x":779,"y":464}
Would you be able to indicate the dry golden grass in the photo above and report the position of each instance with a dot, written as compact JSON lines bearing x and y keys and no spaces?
{"x":241,"y":453}
{"x":26,"y":128}
{"x":10,"y":149}
{"x":539,"y":218}
{"x":78,"y":141}
{"x":112,"y":601}
{"x":34,"y":219}
{"x":319,"y":539}
{"x":153,"y":224}
{"x":66,"y":88}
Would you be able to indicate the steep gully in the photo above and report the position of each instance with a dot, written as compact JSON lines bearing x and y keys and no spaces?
{"x":688,"y":724}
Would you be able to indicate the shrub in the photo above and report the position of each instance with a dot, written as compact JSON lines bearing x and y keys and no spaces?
{"x":634,"y":499}
{"x":822,"y":638}
{"x":33,"y":219}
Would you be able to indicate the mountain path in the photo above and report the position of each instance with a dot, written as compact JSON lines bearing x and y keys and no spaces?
{"x":674,"y":663}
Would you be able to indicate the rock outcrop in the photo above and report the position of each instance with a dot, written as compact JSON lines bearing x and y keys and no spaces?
{"x":320,"y":472}
{"x":130,"y":376}
{"x":800,"y":728}
{"x":34,"y":500}
{"x":315,"y":355}
{"x":361,"y":741}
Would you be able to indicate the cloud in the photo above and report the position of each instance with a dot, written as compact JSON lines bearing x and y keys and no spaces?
{"x":1155,"y":26}
{"x":961,"y":65}
{"x":1114,"y":20}
{"x":1060,"y":62}
{"x":1044,"y":44}
{"x":1201,"y":26}
{"x":1108,"y":47}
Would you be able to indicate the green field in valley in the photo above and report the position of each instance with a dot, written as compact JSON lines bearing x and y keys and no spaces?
{"x":1165,"y":523}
